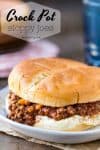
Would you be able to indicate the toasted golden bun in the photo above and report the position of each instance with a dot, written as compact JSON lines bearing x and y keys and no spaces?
{"x":55,"y":82}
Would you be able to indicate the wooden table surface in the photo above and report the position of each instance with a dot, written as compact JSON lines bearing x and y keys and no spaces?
{"x":12,"y":143}
{"x":70,"y":41}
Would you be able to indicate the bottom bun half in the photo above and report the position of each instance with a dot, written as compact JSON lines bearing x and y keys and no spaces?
{"x":75,"y":123}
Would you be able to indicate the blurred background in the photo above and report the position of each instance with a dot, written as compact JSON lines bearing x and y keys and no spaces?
{"x":70,"y":40}
{"x":68,"y":43}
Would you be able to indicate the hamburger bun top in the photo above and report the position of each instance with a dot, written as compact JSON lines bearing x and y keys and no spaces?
{"x":55,"y":82}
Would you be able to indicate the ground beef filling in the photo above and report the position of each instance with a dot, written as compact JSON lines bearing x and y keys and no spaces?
{"x":25,"y":112}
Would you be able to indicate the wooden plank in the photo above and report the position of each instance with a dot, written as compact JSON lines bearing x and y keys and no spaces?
{"x":13,"y":143}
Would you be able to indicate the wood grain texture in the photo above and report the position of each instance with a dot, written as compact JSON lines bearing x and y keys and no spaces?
{"x":12,"y":143}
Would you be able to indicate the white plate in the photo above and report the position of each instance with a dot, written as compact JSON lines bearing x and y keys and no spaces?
{"x":48,"y":135}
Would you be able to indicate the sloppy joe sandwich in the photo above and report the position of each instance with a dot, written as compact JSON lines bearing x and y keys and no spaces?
{"x":54,"y":93}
